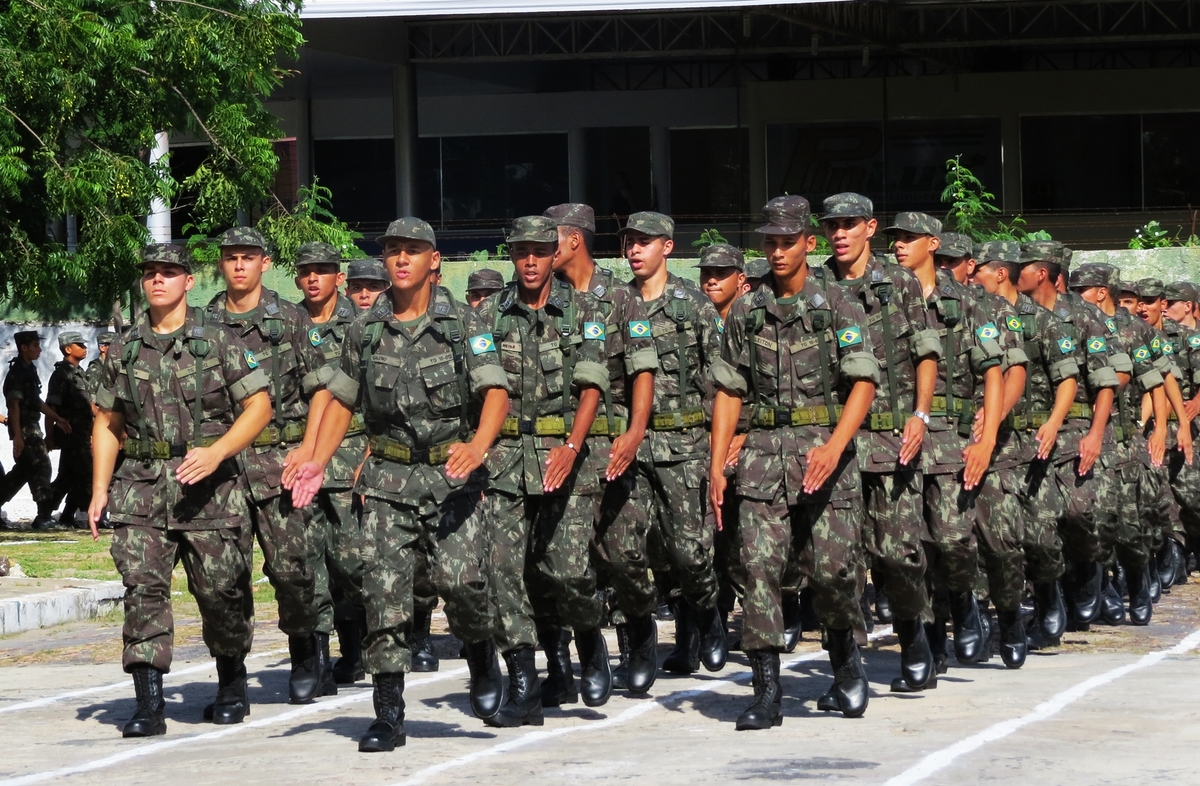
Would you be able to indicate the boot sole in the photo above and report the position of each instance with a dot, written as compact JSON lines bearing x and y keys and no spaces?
{"x":154,"y":732}
{"x":515,"y":723}
{"x":758,"y":726}
{"x":382,"y":747}
{"x":900,"y":685}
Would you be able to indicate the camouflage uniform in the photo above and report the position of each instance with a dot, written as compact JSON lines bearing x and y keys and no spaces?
{"x":69,"y":395}
{"x":1184,"y":479}
{"x":549,"y":355}
{"x":415,"y":382}
{"x":104,"y":338}
{"x":23,"y":385}
{"x":276,"y":337}
{"x":151,"y":381}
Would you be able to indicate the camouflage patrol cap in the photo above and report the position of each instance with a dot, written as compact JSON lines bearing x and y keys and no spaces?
{"x":106,"y":337}
{"x":1043,"y":251}
{"x":917,"y":223}
{"x":1090,"y":275}
{"x":649,"y":223}
{"x":848,"y":205}
{"x":23,"y":337}
{"x":1148,"y":288}
{"x":758,"y":267}
{"x":722,"y":255}
{"x":955,"y":245}
{"x":786,"y":215}
{"x":1125,"y":286}
{"x":409,"y":228}
{"x":367,"y":270}
{"x":69,"y":337}
{"x":1006,"y":251}
{"x":485,"y":279}
{"x":1180,"y":290}
{"x":573,"y":214}
{"x":318,"y":253}
{"x":242,"y":236}
{"x":168,"y":254}
{"x":1067,"y":254}
{"x":533,"y":229}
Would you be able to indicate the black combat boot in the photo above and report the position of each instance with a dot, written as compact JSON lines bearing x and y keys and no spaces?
{"x":685,"y":658}
{"x":523,"y":707}
{"x":808,"y":613}
{"x":713,"y":652}
{"x":1013,"y":645}
{"x":595,"y":677}
{"x":620,"y":672}
{"x":1050,"y":622}
{"x":387,"y":732}
{"x":559,"y":686}
{"x":487,"y":683}
{"x":918,"y":671}
{"x":1152,"y":581}
{"x":935,"y":634}
{"x":767,"y":709}
{"x":328,"y":685}
{"x":968,"y":629}
{"x":44,"y":521}
{"x":1169,"y":557}
{"x":792,"y":626}
{"x":883,"y":607}
{"x":1140,"y":607}
{"x":306,"y":676}
{"x":147,"y":720}
{"x":232,"y":705}
{"x":351,"y":630}
{"x":1085,"y":593}
{"x":850,"y":691}
{"x":423,"y":657}
{"x":864,"y":603}
{"x":1112,"y":607}
{"x":643,"y":654}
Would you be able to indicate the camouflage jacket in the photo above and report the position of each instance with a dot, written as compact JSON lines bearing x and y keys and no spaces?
{"x":1053,"y":358}
{"x":904,"y":338}
{"x":792,"y":354}
{"x":407,"y":385}
{"x":1176,"y":346}
{"x":92,"y":377}
{"x":549,"y":355}
{"x":162,"y":370}
{"x":1004,"y":316}
{"x":327,"y":337}
{"x":1187,"y":354}
{"x":68,"y":395}
{"x":1089,"y":334}
{"x":276,"y":338}
{"x":970,"y":346}
{"x":22,"y":384}
{"x":684,"y":324}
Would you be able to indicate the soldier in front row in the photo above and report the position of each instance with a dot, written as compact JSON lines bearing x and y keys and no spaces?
{"x":176,"y":495}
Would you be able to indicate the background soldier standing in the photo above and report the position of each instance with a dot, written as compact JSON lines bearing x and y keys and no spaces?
{"x":481,"y":284}
{"x":69,"y":395}
{"x":365,"y":280}
{"x":94,"y":369}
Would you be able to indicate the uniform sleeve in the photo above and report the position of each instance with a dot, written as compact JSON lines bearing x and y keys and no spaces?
{"x":855,"y":358}
{"x":1060,"y":351}
{"x":12,"y":391}
{"x":986,"y":351}
{"x":241,"y":381}
{"x":106,"y":395}
{"x":343,"y":384}
{"x":485,"y":367}
{"x":590,"y":370}
{"x":1012,"y":336}
{"x":1096,"y":350}
{"x":311,"y":361}
{"x":640,"y":352}
{"x":728,"y":372}
{"x":924,"y":342}
{"x":710,"y":334}
{"x":54,"y":388}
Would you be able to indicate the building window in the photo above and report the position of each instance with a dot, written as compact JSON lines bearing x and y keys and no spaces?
{"x":1172,"y":159}
{"x":1080,"y":163}
{"x":619,"y":180}
{"x":709,"y":174}
{"x":361,"y":173}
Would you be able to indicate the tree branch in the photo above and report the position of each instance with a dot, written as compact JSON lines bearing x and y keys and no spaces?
{"x":199,"y":5}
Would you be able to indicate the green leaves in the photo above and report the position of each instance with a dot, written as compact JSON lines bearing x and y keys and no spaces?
{"x":972,"y":211}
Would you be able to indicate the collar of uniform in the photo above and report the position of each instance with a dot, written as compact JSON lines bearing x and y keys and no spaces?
{"x":1026,"y":304}
{"x":441,"y":306}
{"x":764,"y":297}
{"x":268,"y":306}
{"x":601,"y":284}
{"x":1062,"y":309}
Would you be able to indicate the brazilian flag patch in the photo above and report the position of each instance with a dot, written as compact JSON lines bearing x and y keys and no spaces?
{"x":1141,"y":354}
{"x":482,"y":343}
{"x":1168,"y":348}
{"x":1111,"y":324}
{"x":987,"y":332}
{"x":251,"y":361}
{"x":720,"y":325}
{"x":1096,"y":345}
{"x":1015,"y":324}
{"x":639,"y":328}
{"x":593,"y":330}
{"x":1066,"y":345}
{"x":1194,"y":342}
{"x":314,"y":337}
{"x":1156,"y":344}
{"x":850,"y":336}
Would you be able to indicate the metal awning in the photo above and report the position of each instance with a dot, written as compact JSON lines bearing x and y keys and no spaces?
{"x":333,"y":9}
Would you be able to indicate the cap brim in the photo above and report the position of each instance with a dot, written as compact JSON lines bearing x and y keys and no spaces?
{"x":832,"y":216}
{"x":779,"y":229}
{"x":733,"y":265}
{"x":384,"y":238}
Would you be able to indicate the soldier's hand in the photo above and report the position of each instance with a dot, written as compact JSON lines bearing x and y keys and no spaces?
{"x":197,"y":465}
{"x":624,"y":451}
{"x":464,"y":459}
{"x":1157,"y":447}
{"x":292,"y":462}
{"x":63,"y":425}
{"x":977,"y":427}
{"x":306,"y":482}
{"x":96,"y":512}
{"x":716,"y":496}
{"x":1184,"y":440}
{"x":1047,"y":435}
{"x":1089,"y":451}
{"x":18,"y":445}
{"x":978,"y":457}
{"x":912,"y":439}
{"x":1192,"y":408}
{"x":558,"y":466}
{"x":822,"y":461}
{"x":735,"y":450}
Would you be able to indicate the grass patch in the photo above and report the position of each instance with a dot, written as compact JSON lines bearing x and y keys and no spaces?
{"x":60,"y":555}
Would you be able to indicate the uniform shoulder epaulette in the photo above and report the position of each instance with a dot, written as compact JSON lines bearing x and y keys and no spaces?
{"x":508,"y":296}
{"x":600,"y":290}
{"x":817,"y":300}
{"x":877,"y":276}
{"x":1063,"y":311}
{"x":1027,"y":308}
{"x":343,"y":312}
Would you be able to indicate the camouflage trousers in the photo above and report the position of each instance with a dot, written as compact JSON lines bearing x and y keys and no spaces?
{"x":32,"y":467}
{"x":74,"y":480}
{"x":985,"y":522}
{"x":823,"y":533}
{"x":1126,"y":537}
{"x":1089,"y":507}
{"x":394,"y":536}
{"x":1042,"y":505}
{"x":680,"y":491}
{"x":622,"y":520}
{"x":282,"y":533}
{"x":1185,"y":487}
{"x":727,"y":547}
{"x":216,"y":571}
{"x":893,"y":530}
{"x":335,"y":540}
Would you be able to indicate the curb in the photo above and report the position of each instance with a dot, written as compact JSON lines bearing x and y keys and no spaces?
{"x":43,"y":609}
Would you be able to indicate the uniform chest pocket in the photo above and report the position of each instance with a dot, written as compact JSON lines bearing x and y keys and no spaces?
{"x":441,"y":382}
{"x":211,"y":382}
{"x":806,"y":362}
{"x":512,"y":358}
{"x":766,"y":366}
{"x":550,"y":357}
{"x":385,"y":373}
{"x":668,"y":349}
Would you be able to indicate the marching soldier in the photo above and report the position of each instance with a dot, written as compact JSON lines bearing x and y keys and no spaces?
{"x":169,"y":390}
{"x":365,"y":280}
{"x":69,"y":395}
{"x":1185,"y":476}
{"x":104,"y":339}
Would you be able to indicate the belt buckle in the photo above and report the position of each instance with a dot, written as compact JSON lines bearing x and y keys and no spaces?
{"x":525,"y":427}
{"x":160,"y":450}
{"x":820,"y":415}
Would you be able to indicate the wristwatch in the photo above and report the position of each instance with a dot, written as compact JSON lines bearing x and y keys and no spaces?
{"x":571,"y":445}
{"x":924,"y":416}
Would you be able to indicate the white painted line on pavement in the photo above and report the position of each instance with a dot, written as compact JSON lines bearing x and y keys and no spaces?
{"x":146,"y":750}
{"x":939,"y":760}
{"x":48,"y":700}
{"x":532,"y":738}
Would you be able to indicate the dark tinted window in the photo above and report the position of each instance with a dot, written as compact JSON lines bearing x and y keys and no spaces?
{"x":1080,"y":163}
{"x":1171,"y":149}
{"x":709,"y":174}
{"x":361,"y":173}
{"x":618,"y":179}
{"x":501,"y":177}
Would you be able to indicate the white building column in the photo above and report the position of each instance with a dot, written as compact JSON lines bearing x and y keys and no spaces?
{"x":159,"y":219}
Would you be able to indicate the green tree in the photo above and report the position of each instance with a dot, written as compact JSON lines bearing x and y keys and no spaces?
{"x":84,"y":87}
{"x":972,"y":211}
